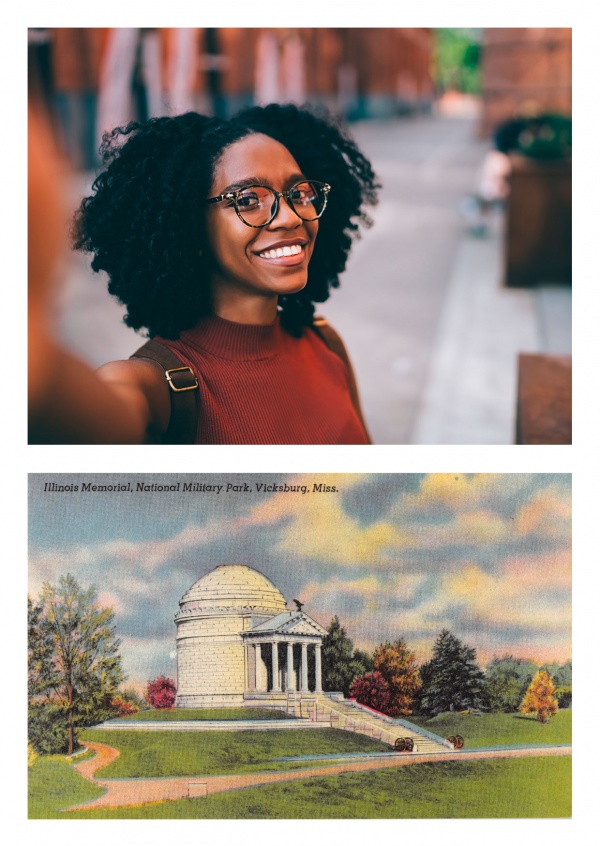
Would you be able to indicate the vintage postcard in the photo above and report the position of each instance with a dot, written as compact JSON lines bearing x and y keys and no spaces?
{"x":263,"y":646}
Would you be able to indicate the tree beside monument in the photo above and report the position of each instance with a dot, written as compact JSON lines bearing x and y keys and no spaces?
{"x":74,"y":664}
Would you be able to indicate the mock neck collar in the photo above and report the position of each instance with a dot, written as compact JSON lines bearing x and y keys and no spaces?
{"x":235,"y":341}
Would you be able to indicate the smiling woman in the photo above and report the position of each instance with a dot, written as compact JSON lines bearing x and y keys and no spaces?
{"x":219,"y":237}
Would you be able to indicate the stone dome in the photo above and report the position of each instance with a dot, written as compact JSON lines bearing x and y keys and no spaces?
{"x":233,"y":587}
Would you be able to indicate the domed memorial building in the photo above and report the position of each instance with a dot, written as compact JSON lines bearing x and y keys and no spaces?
{"x":237,"y":644}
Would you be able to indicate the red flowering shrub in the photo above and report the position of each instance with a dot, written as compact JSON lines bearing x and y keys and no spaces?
{"x":160,"y":693}
{"x":371,"y":690}
{"x":123,"y":707}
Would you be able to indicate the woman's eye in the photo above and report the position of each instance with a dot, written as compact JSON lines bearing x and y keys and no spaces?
{"x":248,"y":200}
{"x":303,"y":195}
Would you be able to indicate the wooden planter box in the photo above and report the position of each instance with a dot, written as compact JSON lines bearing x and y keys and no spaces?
{"x":544,"y":399}
{"x":538,"y":224}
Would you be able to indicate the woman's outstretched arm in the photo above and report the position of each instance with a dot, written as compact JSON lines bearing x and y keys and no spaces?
{"x":125,"y":402}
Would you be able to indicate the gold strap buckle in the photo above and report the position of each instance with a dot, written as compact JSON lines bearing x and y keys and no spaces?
{"x":173,"y":386}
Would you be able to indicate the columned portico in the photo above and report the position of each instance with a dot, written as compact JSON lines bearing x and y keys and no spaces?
{"x":285,"y":653}
{"x":267,"y":673}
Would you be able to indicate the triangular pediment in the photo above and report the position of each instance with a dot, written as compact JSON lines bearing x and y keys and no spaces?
{"x":302,"y":627}
{"x":290,"y":623}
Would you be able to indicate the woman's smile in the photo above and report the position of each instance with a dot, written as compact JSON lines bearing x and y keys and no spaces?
{"x":285,"y":253}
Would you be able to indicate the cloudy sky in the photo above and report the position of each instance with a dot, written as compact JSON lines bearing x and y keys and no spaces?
{"x":393,"y":555}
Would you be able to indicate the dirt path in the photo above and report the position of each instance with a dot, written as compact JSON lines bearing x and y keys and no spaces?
{"x":139,"y":791}
{"x":104,"y":755}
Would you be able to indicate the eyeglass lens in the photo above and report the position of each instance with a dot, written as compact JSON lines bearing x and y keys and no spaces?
{"x":257,"y":203}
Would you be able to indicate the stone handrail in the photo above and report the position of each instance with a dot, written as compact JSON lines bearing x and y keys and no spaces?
{"x":399,"y":721}
{"x":365,"y":727}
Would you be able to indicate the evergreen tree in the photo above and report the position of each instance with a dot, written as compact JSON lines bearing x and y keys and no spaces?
{"x":365,"y":659}
{"x":396,"y":663}
{"x":452,"y":681}
{"x":74,"y":664}
{"x":339,"y":661}
{"x":539,"y":698}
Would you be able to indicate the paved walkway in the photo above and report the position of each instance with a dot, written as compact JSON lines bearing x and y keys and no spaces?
{"x":139,"y":791}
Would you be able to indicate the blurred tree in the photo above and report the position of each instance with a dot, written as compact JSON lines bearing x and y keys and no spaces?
{"x":457,"y":60}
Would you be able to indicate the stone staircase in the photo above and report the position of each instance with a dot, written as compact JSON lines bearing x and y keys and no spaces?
{"x":348,"y":715}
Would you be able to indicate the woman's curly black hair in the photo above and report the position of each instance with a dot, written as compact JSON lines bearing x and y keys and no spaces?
{"x":144,"y":222}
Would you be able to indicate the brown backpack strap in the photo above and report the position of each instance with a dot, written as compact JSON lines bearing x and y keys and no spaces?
{"x":332,"y":340}
{"x":183,"y":384}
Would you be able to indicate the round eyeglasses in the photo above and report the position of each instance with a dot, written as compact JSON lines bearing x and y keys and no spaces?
{"x":257,"y":205}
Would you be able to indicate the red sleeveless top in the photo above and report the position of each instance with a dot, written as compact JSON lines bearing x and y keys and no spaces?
{"x":260,"y":385}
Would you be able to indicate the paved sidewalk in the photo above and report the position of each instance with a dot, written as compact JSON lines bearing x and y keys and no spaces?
{"x":130,"y":792}
{"x":470,"y":392}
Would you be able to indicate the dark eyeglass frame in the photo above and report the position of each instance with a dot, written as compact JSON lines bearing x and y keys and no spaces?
{"x":279,"y":195}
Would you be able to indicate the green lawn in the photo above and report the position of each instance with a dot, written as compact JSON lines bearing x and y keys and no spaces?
{"x":150,"y":754}
{"x":532,"y":787}
{"x":54,"y":784}
{"x":177,"y":714}
{"x":500,"y":729}
{"x":528,"y":787}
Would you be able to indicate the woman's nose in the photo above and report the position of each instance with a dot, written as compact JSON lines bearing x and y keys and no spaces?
{"x":285,"y":216}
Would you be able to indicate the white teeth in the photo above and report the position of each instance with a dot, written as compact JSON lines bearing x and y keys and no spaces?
{"x":282,"y":251}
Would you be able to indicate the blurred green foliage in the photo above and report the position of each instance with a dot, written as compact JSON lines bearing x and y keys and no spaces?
{"x":457,"y":56}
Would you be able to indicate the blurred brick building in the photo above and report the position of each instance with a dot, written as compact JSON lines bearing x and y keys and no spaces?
{"x":524,"y":71}
{"x":96,"y":79}
{"x":360,"y":73}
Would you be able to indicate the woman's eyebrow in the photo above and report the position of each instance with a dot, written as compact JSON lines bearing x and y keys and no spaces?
{"x":261,"y":180}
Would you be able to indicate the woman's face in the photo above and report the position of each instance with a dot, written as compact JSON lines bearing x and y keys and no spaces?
{"x":243,"y":258}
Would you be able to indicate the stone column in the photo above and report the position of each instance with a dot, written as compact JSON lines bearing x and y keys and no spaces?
{"x":257,"y":673}
{"x":318,"y":682}
{"x":304,"y":684}
{"x":275,"y":662}
{"x":250,"y":671}
{"x":291,"y":681}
